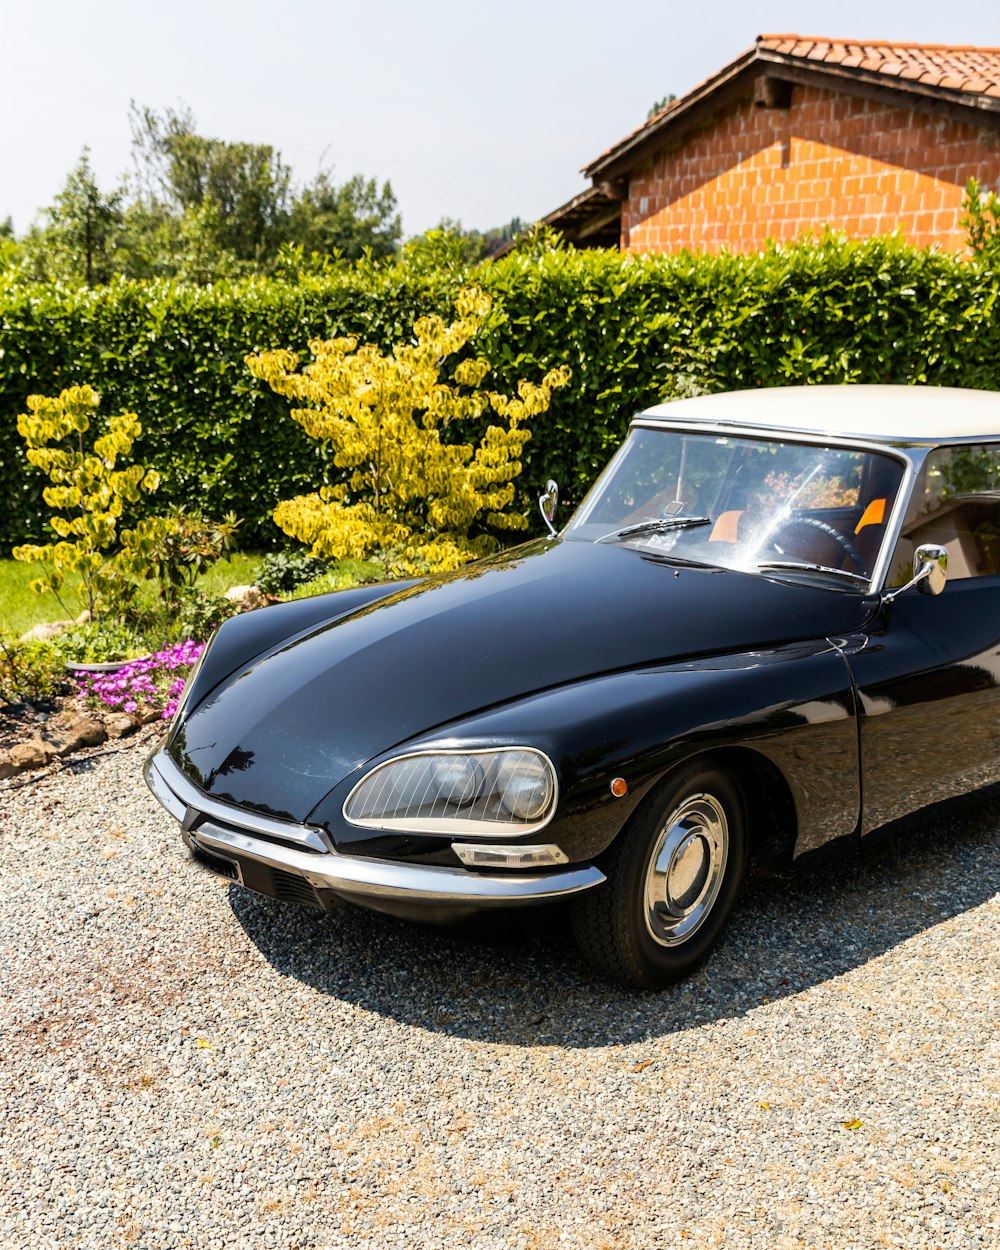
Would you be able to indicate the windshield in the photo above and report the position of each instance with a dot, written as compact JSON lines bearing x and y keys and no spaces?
{"x":754,"y":504}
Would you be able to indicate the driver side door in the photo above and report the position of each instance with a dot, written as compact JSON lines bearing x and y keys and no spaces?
{"x":928,"y":673}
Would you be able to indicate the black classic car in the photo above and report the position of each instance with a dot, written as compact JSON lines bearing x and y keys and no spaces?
{"x":773,"y":624}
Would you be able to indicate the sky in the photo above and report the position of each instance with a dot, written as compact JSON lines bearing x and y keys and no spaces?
{"x":479,"y":113}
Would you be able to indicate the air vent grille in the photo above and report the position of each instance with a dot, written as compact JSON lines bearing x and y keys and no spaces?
{"x":292,"y":889}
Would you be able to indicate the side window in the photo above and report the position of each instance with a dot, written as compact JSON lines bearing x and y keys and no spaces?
{"x":956,"y":503}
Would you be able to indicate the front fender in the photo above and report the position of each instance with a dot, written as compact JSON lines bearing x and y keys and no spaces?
{"x":793,"y":705}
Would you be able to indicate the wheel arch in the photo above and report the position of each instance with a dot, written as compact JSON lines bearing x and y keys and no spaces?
{"x":772,"y":824}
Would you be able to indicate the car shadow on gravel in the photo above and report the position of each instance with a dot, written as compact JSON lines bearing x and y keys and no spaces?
{"x":517,"y":979}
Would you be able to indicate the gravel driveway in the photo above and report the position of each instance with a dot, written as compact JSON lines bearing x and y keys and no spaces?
{"x":183,"y":1064}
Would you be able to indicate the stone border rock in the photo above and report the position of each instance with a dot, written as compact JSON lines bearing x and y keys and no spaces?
{"x":69,"y":731}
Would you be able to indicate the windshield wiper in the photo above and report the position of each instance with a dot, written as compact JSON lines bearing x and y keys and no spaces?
{"x":656,"y":526}
{"x":802,"y":566}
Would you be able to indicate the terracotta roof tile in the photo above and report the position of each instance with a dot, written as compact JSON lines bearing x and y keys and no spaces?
{"x":958,"y":68}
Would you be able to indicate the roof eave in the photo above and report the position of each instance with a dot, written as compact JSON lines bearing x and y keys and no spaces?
{"x":715,"y":91}
{"x":737,"y":76}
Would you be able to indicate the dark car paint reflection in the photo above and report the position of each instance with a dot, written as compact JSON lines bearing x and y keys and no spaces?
{"x":498,"y":635}
{"x":909,"y":689}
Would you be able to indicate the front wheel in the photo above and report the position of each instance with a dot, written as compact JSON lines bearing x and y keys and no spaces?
{"x":674,"y":874}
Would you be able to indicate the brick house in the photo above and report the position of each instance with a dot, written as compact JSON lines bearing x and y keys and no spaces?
{"x":797,"y":134}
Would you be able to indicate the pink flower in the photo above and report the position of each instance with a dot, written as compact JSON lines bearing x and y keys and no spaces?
{"x":153,"y":680}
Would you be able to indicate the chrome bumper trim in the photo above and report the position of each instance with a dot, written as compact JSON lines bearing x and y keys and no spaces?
{"x":354,"y":875}
{"x":177,"y":794}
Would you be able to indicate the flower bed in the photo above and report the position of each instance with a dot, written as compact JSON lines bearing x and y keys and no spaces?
{"x":153,"y":682}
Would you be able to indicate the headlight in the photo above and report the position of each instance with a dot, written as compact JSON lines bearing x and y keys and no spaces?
{"x":510,"y":790}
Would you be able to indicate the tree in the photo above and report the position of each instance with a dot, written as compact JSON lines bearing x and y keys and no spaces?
{"x":217,"y":207}
{"x":11,"y":252}
{"x":411,"y":499}
{"x":449,"y":244}
{"x":497,"y":236}
{"x":83,"y":234}
{"x":236,"y":196}
{"x":349,"y":220}
{"x":88,"y":486}
{"x":659,"y":105}
{"x":198,"y":209}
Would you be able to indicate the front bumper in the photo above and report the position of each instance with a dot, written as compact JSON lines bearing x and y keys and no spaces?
{"x":298,"y":863}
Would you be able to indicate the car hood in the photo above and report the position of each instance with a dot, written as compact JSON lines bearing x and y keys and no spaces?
{"x":279,"y":733}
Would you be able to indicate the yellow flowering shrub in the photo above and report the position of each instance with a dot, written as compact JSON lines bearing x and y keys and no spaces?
{"x":88,"y":492}
{"x":411,"y":498}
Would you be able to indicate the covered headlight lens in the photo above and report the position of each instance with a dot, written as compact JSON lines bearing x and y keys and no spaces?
{"x":510,"y":790}
{"x":525,"y":785}
{"x":458,"y":780}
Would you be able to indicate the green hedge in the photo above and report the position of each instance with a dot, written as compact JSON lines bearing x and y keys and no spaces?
{"x":633,"y":330}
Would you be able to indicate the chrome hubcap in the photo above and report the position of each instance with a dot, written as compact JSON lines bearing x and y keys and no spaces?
{"x":685,"y":871}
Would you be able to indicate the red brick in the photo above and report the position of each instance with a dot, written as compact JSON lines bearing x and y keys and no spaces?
{"x":856,"y":163}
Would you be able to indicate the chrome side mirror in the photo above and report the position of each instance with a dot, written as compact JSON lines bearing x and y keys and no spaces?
{"x":930,"y":571}
{"x":930,"y":568}
{"x":548,"y":503}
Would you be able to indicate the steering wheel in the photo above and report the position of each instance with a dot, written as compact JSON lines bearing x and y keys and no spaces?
{"x":842,"y":541}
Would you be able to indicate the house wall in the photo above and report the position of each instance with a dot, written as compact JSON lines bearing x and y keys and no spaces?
{"x":857,"y":165}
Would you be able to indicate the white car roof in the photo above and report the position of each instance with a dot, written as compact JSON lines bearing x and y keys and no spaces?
{"x":899,"y":415}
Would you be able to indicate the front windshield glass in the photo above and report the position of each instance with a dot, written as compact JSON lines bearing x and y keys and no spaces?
{"x":754,"y":504}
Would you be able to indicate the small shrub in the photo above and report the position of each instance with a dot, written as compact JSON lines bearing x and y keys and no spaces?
{"x":97,"y":642}
{"x":201,"y":615}
{"x":30,"y":671}
{"x":282,"y":571}
{"x":88,"y":488}
{"x":177,"y":548}
{"x":411,"y":499}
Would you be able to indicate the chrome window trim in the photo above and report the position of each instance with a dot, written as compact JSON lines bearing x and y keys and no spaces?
{"x":910,"y":456}
{"x":468,"y":828}
{"x":917,"y":457}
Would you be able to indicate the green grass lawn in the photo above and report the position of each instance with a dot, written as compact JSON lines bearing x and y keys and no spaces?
{"x":239,"y":570}
{"x":21,"y":608}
